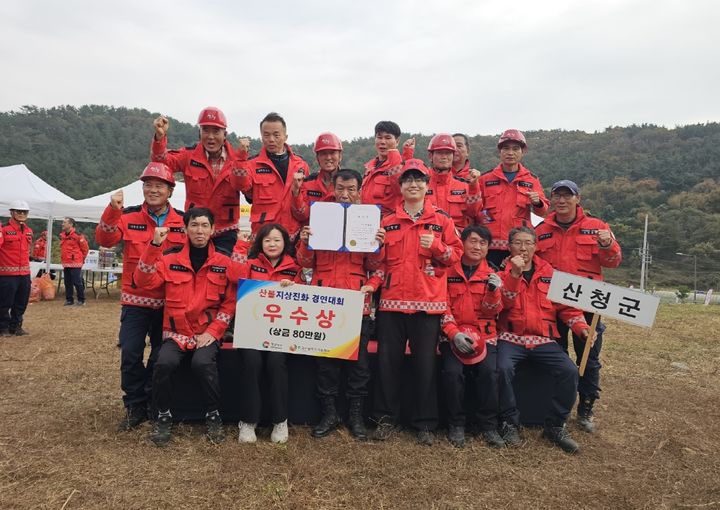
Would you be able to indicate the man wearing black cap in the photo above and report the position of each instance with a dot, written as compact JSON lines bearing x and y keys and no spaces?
{"x":421,"y":243}
{"x":575,"y":242}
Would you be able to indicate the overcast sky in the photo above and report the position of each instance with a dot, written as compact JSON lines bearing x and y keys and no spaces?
{"x":449,"y":65}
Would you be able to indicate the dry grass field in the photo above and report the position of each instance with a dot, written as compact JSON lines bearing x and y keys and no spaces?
{"x":658,"y":445}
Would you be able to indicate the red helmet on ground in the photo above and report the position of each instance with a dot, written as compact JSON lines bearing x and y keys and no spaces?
{"x":212,"y":116}
{"x":160,"y":171}
{"x":415,"y":164}
{"x":512,"y":135}
{"x":328,"y":142}
{"x":480,"y":347}
{"x":442,"y":141}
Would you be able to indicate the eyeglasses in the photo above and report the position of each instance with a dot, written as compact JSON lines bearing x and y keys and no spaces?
{"x":519,"y":244}
{"x":20,"y":212}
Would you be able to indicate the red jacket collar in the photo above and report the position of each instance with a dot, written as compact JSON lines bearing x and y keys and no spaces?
{"x":551,"y":218}
{"x":522,"y":172}
{"x":184,"y":254}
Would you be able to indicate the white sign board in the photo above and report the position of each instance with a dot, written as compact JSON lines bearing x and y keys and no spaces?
{"x":608,"y":300}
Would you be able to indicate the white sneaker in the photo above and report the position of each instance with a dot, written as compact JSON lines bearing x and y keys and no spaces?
{"x":280,"y":433}
{"x":247,"y":432}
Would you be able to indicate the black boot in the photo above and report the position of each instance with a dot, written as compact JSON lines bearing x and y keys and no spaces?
{"x":356,"y":421}
{"x":134,"y":416}
{"x":585,"y":414}
{"x":329,"y":420}
{"x":162,"y":430}
{"x":561,"y":437}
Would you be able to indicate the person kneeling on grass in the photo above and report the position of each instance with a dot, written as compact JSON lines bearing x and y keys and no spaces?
{"x":199,"y":290}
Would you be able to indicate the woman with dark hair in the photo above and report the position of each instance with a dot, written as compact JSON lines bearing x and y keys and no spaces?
{"x":270,"y":258}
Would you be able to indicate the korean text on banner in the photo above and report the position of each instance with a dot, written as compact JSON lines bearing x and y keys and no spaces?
{"x":594,"y":296}
{"x":299,"y":319}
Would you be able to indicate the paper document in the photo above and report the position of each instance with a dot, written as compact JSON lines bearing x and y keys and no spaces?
{"x":344,"y":227}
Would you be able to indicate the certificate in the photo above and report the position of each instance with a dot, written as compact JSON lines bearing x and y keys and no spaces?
{"x":344,"y":227}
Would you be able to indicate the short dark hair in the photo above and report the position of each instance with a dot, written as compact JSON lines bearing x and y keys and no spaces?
{"x":521,"y":230}
{"x":347,"y":174}
{"x":197,"y":212}
{"x":467,"y":140}
{"x":480,"y":230}
{"x":273,"y":117}
{"x":256,"y":248}
{"x":387,"y":126}
{"x":70,"y":220}
{"x":415,"y":172}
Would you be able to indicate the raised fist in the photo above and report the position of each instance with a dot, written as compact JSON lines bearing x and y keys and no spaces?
{"x":160,"y":235}
{"x":518,"y":264}
{"x":161,"y":127}
{"x":409,"y":144}
{"x":474,"y":175}
{"x":244,"y":145}
{"x":298,"y":179}
{"x":117,"y":199}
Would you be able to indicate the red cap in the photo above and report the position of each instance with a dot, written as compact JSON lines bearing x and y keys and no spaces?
{"x":512,"y":135}
{"x":442,"y":141}
{"x":328,"y":142}
{"x":160,"y":171}
{"x":480,"y":348}
{"x":212,"y":116}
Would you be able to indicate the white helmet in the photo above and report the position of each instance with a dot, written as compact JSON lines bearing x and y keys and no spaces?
{"x":19,"y":205}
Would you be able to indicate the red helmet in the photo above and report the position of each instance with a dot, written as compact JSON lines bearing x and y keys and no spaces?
{"x":414,"y":164}
{"x":160,"y":171}
{"x":212,"y":116}
{"x":442,"y":141}
{"x":480,"y":347}
{"x":512,"y":135}
{"x":328,"y":142}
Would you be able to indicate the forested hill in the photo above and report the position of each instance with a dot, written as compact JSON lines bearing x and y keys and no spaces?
{"x":624,"y":172}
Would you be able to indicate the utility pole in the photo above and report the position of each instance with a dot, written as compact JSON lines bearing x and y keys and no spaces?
{"x":644,"y":256}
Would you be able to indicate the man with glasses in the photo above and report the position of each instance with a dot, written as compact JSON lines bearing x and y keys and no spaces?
{"x":527,"y":332}
{"x":510,"y":193}
{"x":421,"y":244}
{"x":15,"y":244}
{"x":575,"y":242}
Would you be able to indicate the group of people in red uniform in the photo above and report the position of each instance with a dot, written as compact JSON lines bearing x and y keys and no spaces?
{"x":459,"y":284}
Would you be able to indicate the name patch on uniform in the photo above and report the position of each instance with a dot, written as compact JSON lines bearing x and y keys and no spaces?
{"x":179,"y":267}
{"x":495,"y":182}
{"x":545,"y":279}
{"x":137,"y":226}
{"x":429,"y":192}
{"x":433,"y":227}
{"x":288,"y":272}
{"x":257,"y":269}
{"x":314,"y":193}
{"x":180,"y":230}
{"x":263,"y":170}
{"x":390,"y":228}
{"x":545,"y":236}
{"x":457,"y":192}
{"x":455,"y":279}
{"x":218,"y":269}
{"x":196,"y":163}
{"x":525,"y":184}
{"x":588,"y":231}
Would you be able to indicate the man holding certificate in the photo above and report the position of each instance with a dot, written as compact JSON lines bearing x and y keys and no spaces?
{"x":343,"y":270}
{"x":421,"y":243}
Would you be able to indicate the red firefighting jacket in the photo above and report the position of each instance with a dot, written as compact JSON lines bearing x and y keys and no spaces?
{"x":456,"y":196}
{"x":506,"y":205}
{"x":313,"y":190}
{"x":576,"y":250}
{"x":342,"y":270}
{"x":39,"y":247}
{"x":381,"y":184}
{"x":15,"y":243}
{"x":136,"y":228}
{"x":529,"y":317}
{"x":202,"y":188}
{"x":464,"y":172}
{"x":195,"y":303}
{"x":260,"y":268}
{"x":240,"y":251}
{"x":415,"y":278}
{"x":272,"y":199}
{"x":470,"y":302}
{"x":73,"y":249}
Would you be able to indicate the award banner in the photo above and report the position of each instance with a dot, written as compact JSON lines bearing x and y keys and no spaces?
{"x":298,"y":319}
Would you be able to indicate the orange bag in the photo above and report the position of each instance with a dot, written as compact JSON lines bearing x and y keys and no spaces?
{"x":35,"y":290}
{"x":47,"y":288}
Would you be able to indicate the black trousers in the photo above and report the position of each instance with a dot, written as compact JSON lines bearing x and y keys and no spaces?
{"x":73,"y":278}
{"x":203,"y":366}
{"x":136,"y":324}
{"x":589,"y":384}
{"x":14,"y":296}
{"x":257,"y":367}
{"x":358,"y":372}
{"x":483,"y":379}
{"x":422,"y":330}
{"x":555,"y":362}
